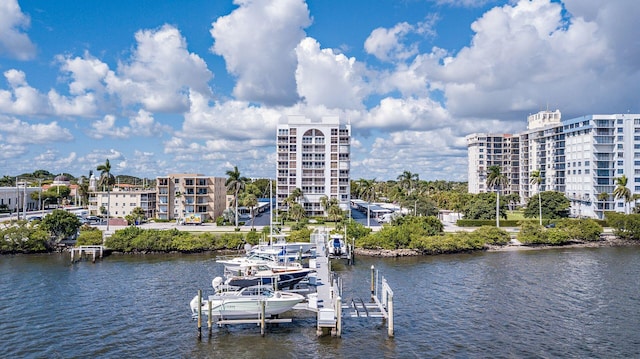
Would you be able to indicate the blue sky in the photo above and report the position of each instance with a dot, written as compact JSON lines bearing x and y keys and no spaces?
{"x":164,"y":86}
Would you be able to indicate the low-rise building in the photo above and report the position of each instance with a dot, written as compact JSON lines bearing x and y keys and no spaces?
{"x":182,"y":195}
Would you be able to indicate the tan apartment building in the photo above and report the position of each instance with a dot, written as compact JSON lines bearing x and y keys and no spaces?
{"x":183,"y":195}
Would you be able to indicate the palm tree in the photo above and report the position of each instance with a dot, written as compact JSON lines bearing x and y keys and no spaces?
{"x":296,"y":212}
{"x":250,"y":200}
{"x":408,"y":180}
{"x":496,"y":179}
{"x":536,"y":179}
{"x":367,"y":193}
{"x":621,"y":191}
{"x":106,"y":179}
{"x":295,"y":195}
{"x":235,"y":183}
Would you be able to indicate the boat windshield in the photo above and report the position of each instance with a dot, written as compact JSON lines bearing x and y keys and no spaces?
{"x":257,"y":291}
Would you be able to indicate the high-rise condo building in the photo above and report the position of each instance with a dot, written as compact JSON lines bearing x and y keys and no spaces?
{"x":314,"y":156}
{"x":580,"y":157}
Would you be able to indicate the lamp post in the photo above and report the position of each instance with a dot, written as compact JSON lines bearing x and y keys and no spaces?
{"x":42,"y":206}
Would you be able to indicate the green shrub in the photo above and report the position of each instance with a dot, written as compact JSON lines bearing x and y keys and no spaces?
{"x":301,"y":235}
{"x":492,"y":235}
{"x":580,"y":229}
{"x":557,"y":236}
{"x":89,"y":237}
{"x":532,"y":233}
{"x":253,"y":237}
{"x":448,"y":243}
{"x":488,"y":222}
{"x":626,"y":226}
{"x":122,"y":239}
{"x":193,"y":243}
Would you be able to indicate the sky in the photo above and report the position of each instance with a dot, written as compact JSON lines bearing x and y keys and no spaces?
{"x":199,"y":86}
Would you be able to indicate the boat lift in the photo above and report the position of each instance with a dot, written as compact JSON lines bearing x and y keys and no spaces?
{"x":325,"y":298}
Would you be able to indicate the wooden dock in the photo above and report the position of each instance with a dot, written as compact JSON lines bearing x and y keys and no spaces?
{"x":80,"y":252}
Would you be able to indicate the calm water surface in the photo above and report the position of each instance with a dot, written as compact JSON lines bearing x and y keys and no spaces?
{"x":553,"y":303}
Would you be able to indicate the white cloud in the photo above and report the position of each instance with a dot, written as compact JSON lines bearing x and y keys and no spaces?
{"x":526,"y":55}
{"x":160,"y":72}
{"x":13,"y":41}
{"x":85,"y":74}
{"x":328,"y":79}
{"x":397,"y":114}
{"x":385,"y":44}
{"x":21,"y":99}
{"x":19,"y":132}
{"x":257,"y":41}
{"x":229,"y":120}
{"x":141,"y":125}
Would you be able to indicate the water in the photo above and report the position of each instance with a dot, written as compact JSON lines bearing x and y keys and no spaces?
{"x":552,"y":303}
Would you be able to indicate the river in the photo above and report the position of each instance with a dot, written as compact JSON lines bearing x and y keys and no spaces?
{"x":549,"y":303}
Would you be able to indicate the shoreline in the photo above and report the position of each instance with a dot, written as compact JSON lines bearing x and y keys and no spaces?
{"x":606,"y":242}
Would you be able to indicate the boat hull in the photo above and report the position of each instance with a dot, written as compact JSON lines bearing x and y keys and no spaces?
{"x":238,"y":307}
{"x":285,"y":279}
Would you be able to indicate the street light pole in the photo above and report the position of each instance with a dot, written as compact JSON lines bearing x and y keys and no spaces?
{"x":42,"y":207}
{"x":24,"y":201}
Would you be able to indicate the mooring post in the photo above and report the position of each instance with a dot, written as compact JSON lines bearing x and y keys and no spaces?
{"x":262,"y":319}
{"x":373,"y":282}
{"x":199,"y":313}
{"x":73,"y":251}
{"x":338,"y":316}
{"x":94,"y":256}
{"x":209,"y":319}
{"x":390,"y":310}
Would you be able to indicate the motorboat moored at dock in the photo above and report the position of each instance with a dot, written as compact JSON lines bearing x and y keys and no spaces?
{"x":246,"y":303}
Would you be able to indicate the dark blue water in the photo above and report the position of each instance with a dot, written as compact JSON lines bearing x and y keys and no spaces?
{"x":554,"y":303}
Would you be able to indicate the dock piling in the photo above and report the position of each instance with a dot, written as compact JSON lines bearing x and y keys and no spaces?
{"x":373,"y":281}
{"x":199,"y":313}
{"x":209,"y":318}
{"x":262,"y":315}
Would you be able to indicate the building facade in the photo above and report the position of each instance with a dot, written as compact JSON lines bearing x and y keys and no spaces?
{"x":486,"y":150}
{"x":314,"y":156}
{"x":18,"y":198}
{"x":122,"y":202}
{"x":182,"y":195}
{"x":580,"y":157}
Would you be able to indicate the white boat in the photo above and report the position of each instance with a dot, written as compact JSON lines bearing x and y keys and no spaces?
{"x":246,"y":303}
{"x":258,"y":274}
{"x":283,"y":248}
{"x":336,"y":245}
{"x":236,"y":264}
